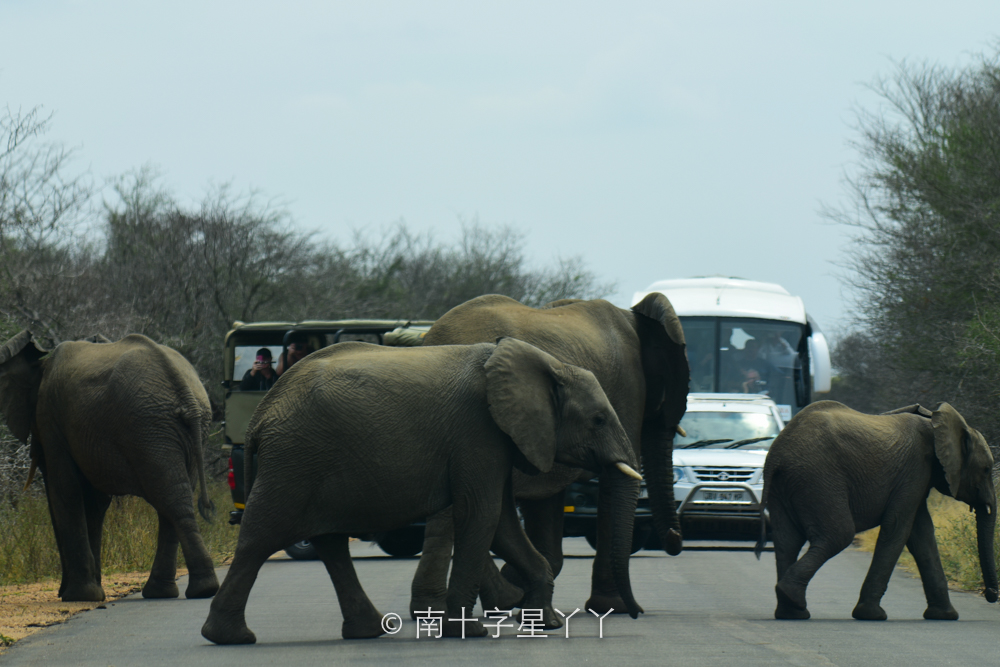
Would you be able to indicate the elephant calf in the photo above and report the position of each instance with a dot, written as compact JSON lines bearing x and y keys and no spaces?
{"x":363,"y":438}
{"x":110,"y":419}
{"x":834,"y":472}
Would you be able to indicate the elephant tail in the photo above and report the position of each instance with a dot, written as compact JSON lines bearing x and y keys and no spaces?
{"x":205,"y":505}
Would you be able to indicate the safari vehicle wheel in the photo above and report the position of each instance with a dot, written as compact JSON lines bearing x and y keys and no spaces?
{"x":303,"y":550}
{"x":640,"y":535}
{"x":402,"y":542}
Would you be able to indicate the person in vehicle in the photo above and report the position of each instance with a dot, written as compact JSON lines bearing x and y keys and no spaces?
{"x":298,"y":348}
{"x":261,"y":376}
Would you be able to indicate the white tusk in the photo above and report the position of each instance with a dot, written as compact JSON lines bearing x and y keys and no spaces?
{"x":627,"y":469}
{"x":681,"y":432}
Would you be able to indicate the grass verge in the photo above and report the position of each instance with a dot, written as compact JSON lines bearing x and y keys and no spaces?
{"x":28,"y":548}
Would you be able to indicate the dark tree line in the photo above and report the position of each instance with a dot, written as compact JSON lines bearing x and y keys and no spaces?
{"x":142,"y":261}
{"x":925,"y":260}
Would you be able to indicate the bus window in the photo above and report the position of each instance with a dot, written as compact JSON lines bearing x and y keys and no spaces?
{"x":700,"y":337}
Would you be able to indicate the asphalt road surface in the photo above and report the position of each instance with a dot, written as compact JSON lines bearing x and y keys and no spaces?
{"x":709,"y":606}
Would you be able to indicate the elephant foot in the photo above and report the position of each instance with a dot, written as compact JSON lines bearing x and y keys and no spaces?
{"x":158,"y":590}
{"x":362,"y":628}
{"x":940,"y":613}
{"x":455,"y":629}
{"x":866,"y":611}
{"x":421,"y":604}
{"x":675,"y":542}
{"x":504,"y":596}
{"x":603,"y":603}
{"x":549,"y":621}
{"x":91,"y":592}
{"x":219,"y":633}
{"x":201,"y":587}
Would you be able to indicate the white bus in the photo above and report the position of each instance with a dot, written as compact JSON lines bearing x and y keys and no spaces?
{"x":749,"y":337}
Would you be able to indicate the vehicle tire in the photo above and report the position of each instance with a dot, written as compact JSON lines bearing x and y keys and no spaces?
{"x":303,"y":550}
{"x":640,"y":534}
{"x":402,"y":542}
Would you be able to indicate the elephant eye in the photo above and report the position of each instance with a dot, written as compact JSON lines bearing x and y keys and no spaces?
{"x":599,"y":421}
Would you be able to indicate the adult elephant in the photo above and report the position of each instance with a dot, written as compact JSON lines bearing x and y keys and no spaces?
{"x":639,"y":358}
{"x":833,"y":472}
{"x":110,"y":419}
{"x":467,"y":413}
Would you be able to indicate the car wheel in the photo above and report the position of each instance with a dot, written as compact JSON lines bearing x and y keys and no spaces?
{"x":402,"y":542}
{"x":640,"y":534}
{"x":303,"y":550}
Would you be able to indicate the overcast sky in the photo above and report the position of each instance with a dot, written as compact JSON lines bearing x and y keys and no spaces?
{"x":656,"y":139}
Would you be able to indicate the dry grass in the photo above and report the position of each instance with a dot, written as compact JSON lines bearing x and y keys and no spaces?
{"x":955,"y":529}
{"x":28,"y":548}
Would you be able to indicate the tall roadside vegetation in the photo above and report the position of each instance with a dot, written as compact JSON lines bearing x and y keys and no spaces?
{"x":925,"y":260}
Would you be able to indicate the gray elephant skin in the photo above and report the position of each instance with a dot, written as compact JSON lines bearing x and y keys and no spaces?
{"x":834,"y":472}
{"x":639,"y":358}
{"x":113,"y":419}
{"x":359,"y":438}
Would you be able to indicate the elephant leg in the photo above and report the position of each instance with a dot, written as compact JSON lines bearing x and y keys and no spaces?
{"x":543,"y":523}
{"x":361,"y":619}
{"x":95,"y":507}
{"x":162,"y":582}
{"x":512,"y":544}
{"x":64,"y":486}
{"x":496,"y":592}
{"x":430,"y":583}
{"x":476,"y":515}
{"x":175,"y":502}
{"x":893,"y":535}
{"x":262,"y":533}
{"x":788,"y":541}
{"x":604,"y":596}
{"x":923,"y":548}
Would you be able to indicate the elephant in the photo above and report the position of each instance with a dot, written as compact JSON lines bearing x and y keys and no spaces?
{"x":639,"y":358}
{"x":834,"y":472}
{"x":112,"y":419}
{"x":330,"y":464}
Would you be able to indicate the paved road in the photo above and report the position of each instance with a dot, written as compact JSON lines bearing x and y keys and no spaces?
{"x":705,"y":607}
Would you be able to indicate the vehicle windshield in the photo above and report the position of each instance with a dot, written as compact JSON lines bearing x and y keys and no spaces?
{"x":721,"y":430}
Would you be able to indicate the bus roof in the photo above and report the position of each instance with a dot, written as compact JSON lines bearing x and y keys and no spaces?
{"x":728,"y":297}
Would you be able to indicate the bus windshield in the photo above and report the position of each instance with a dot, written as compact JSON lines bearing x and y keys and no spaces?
{"x":746,"y":356}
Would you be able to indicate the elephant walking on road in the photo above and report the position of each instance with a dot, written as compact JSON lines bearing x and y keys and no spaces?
{"x":359,"y":438}
{"x":834,"y":472}
{"x":639,"y":358}
{"x":113,"y":419}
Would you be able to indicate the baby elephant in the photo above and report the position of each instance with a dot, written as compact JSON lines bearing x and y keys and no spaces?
{"x":834,"y":472}
{"x":360,"y":438}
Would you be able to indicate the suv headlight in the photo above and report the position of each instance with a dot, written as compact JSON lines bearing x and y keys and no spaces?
{"x":678,"y":474}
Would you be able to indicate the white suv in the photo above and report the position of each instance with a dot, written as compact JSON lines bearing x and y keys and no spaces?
{"x":719,"y":463}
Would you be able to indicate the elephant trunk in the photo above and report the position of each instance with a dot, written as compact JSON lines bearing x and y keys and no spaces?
{"x":623,"y":492}
{"x":658,"y":467}
{"x":986,"y":519}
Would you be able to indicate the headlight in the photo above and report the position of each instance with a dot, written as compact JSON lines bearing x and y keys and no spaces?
{"x":678,"y":474}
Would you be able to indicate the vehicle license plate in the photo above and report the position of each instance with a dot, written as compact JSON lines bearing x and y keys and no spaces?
{"x":723,"y":496}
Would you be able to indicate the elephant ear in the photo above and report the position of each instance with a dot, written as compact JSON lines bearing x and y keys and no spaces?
{"x":950,"y":435}
{"x":522,"y":388}
{"x":20,"y":375}
{"x":664,"y":357}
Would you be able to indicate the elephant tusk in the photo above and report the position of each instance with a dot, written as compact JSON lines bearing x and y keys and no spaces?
{"x":627,"y":469}
{"x":681,"y":432}
{"x":31,"y":474}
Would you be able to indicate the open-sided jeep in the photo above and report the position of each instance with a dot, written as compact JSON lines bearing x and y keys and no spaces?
{"x":241,"y":346}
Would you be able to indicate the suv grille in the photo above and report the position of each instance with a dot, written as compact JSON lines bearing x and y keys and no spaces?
{"x":724,"y":474}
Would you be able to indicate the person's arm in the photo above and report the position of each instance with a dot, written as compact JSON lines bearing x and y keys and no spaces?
{"x":281,"y":362}
{"x":247,"y":383}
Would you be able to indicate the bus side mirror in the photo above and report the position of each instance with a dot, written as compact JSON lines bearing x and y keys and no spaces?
{"x":819,"y":354}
